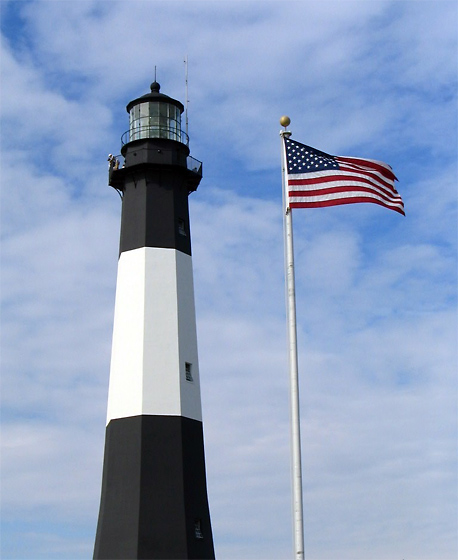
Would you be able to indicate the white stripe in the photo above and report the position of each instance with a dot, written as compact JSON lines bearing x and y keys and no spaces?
{"x":340,"y":172}
{"x":154,"y":335}
{"x":346,"y":184}
{"x":377,"y":162}
{"x":339,"y":196}
{"x":365,"y":171}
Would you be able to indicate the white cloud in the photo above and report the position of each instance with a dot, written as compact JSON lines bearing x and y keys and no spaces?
{"x":376,"y":292}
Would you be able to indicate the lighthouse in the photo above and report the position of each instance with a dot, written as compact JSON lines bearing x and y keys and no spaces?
{"x":154,"y":493}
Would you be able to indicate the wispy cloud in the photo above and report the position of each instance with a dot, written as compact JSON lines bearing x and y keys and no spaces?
{"x":376,"y":292}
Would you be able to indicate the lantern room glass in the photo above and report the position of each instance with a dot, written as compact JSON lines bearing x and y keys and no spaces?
{"x":155,"y":120}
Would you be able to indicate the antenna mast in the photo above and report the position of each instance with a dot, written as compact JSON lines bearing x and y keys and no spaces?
{"x":186,"y":92}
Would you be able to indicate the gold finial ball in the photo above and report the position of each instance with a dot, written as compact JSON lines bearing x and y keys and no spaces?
{"x":285,"y":121}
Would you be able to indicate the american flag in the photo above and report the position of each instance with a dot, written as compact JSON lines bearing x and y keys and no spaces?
{"x":316,"y":179}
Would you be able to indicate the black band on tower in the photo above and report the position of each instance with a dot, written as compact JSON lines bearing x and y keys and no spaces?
{"x":160,"y":508}
{"x":155,"y":210}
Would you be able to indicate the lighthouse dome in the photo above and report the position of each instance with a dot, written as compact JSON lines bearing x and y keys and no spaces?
{"x":155,"y":115}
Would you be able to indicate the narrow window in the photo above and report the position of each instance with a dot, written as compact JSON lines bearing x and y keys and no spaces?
{"x":198,"y":529}
{"x":181,"y":227}
{"x":188,"y":371}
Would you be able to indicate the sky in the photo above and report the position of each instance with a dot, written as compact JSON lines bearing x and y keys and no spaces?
{"x":376,"y":291}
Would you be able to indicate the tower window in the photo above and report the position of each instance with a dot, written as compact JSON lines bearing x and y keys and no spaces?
{"x":181,"y":227}
{"x":198,"y":529}
{"x":188,"y":371}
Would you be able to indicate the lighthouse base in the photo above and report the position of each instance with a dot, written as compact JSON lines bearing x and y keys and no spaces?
{"x":154,"y":492}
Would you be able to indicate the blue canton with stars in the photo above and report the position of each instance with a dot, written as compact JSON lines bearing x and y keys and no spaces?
{"x":304,"y":159}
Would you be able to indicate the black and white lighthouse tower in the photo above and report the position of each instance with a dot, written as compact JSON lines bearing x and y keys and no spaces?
{"x":154,"y":493}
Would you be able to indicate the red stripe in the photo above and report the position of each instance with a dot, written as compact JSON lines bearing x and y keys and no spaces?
{"x":340,"y":201}
{"x":371,"y":174}
{"x":331,"y":178}
{"x":383,"y":180}
{"x":384,"y":169}
{"x":353,"y":173}
{"x":332,"y":190}
{"x":383,"y":200}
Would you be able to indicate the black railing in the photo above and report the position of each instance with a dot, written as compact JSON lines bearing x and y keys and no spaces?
{"x":155,"y":131}
{"x":194,"y":165}
{"x":117,"y":162}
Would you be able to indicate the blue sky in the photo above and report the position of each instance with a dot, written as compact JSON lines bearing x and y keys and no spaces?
{"x":376,"y":292}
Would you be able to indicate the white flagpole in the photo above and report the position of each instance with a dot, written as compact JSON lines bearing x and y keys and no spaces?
{"x":296,"y":465}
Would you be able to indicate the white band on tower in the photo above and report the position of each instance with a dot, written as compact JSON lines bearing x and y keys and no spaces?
{"x":154,"y":362}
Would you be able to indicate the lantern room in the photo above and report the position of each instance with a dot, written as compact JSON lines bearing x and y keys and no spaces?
{"x":155,"y":115}
{"x":154,"y":138}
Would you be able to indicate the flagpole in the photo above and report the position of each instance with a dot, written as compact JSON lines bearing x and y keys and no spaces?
{"x":296,"y":463}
